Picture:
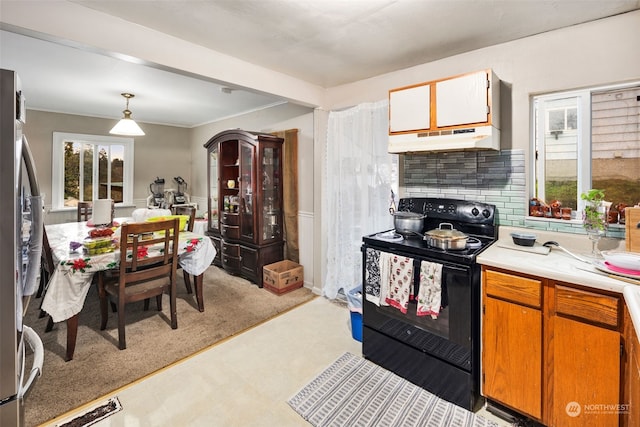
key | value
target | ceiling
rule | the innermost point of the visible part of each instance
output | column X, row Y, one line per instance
column 322, row 42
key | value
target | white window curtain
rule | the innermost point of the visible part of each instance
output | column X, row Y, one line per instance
column 360, row 175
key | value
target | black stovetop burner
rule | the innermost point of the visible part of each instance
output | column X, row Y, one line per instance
column 475, row 219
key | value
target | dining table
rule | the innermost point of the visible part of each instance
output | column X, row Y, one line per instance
column 75, row 269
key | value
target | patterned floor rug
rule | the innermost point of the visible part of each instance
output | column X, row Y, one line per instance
column 356, row 392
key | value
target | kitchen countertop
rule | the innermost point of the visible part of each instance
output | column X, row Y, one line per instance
column 558, row 265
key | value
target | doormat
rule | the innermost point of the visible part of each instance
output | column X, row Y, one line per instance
column 356, row 392
column 94, row 414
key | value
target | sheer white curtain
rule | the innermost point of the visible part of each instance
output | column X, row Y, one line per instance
column 360, row 174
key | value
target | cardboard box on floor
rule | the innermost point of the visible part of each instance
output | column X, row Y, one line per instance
column 282, row 276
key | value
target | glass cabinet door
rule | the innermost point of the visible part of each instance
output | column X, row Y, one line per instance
column 214, row 176
column 271, row 197
column 247, row 190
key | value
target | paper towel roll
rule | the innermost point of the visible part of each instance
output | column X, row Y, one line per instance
column 102, row 212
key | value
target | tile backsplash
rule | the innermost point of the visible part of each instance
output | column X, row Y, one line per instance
column 496, row 177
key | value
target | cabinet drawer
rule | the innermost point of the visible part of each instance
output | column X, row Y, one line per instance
column 230, row 232
column 513, row 288
column 232, row 250
column 230, row 218
column 231, row 264
column 590, row 306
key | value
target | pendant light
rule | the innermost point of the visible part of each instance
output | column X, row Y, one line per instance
column 126, row 125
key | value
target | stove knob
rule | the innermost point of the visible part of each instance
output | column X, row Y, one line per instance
column 486, row 213
column 475, row 211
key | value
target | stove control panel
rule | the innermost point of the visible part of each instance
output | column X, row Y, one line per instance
column 449, row 209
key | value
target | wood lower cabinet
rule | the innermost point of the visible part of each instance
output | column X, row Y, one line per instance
column 512, row 342
column 552, row 351
column 586, row 355
column 586, row 375
column 631, row 374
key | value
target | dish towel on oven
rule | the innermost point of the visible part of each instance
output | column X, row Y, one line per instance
column 372, row 276
column 377, row 276
column 430, row 292
column 400, row 283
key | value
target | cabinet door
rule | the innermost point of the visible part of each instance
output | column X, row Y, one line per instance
column 214, row 179
column 586, row 374
column 247, row 191
column 410, row 108
column 512, row 356
column 271, row 221
column 462, row 100
column 633, row 400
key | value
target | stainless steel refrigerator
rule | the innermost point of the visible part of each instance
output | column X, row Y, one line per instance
column 21, row 227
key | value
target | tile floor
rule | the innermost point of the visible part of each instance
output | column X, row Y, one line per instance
column 245, row 380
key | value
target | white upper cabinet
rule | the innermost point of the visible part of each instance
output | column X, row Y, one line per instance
column 463, row 100
column 411, row 108
column 456, row 102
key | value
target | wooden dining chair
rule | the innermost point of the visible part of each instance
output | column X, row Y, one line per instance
column 47, row 267
column 142, row 273
column 191, row 212
column 84, row 211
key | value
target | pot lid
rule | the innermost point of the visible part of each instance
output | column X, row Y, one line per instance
column 402, row 214
column 446, row 233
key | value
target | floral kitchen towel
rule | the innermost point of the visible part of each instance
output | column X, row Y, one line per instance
column 385, row 276
column 430, row 292
column 372, row 276
column 400, row 282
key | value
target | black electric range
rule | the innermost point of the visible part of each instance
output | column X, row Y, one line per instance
column 442, row 353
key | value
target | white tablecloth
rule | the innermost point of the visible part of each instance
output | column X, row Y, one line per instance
column 69, row 284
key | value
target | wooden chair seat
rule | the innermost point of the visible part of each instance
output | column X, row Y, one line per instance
column 141, row 278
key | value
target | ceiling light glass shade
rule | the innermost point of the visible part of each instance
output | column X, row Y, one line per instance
column 127, row 126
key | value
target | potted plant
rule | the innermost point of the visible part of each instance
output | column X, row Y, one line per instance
column 594, row 216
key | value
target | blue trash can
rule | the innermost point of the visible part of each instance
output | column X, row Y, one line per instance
column 354, row 300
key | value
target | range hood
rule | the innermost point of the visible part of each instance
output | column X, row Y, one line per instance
column 461, row 139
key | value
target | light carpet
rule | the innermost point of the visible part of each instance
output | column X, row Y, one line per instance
column 356, row 392
column 232, row 305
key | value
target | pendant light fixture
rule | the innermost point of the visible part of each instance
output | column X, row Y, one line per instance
column 126, row 125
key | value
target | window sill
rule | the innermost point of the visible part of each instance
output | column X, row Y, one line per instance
column 567, row 221
column 73, row 209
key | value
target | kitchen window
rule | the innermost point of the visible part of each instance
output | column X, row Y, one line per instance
column 89, row 167
column 587, row 139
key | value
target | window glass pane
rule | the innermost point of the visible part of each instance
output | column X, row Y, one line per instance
column 572, row 118
column 87, row 172
column 556, row 120
column 117, row 172
column 615, row 144
column 561, row 153
column 71, row 173
column 91, row 166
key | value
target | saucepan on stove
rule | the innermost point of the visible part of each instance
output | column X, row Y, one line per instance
column 446, row 237
column 408, row 222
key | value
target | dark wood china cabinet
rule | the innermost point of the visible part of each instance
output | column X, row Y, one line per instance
column 244, row 172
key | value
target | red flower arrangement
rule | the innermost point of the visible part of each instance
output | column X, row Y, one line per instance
column 191, row 245
column 80, row 264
